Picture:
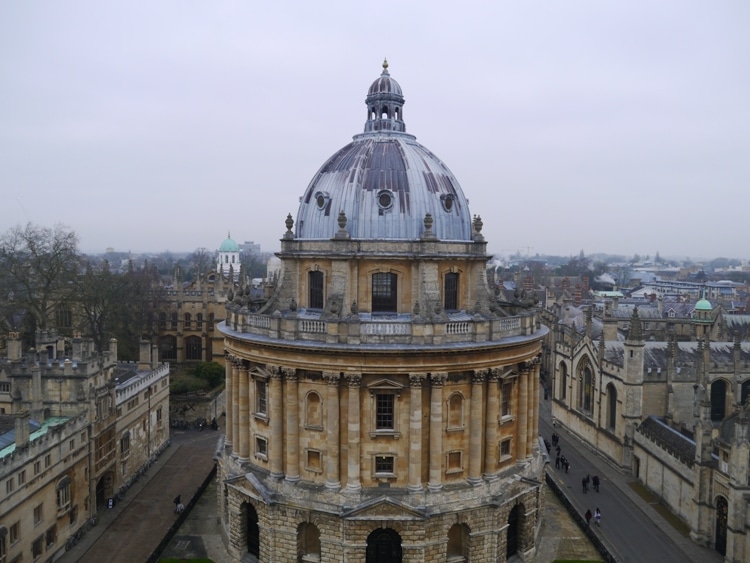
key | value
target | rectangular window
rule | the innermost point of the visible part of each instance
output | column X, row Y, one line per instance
column 315, row 279
column 4, row 387
column 21, row 477
column 506, row 404
column 47, row 461
column 261, row 447
column 261, row 397
column 63, row 496
column 3, row 550
column 384, row 411
column 37, row 467
column 15, row 533
column 384, row 464
column 451, row 292
column 51, row 536
column 9, row 486
column 72, row 445
column 505, row 448
column 37, row 548
column 314, row 461
column 38, row 514
column 384, row 293
column 455, row 463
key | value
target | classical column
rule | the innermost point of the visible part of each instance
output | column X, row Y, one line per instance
column 353, row 485
column 493, row 409
column 415, row 432
column 277, row 427
column 437, row 380
column 332, row 405
column 235, row 405
column 523, row 413
column 243, row 437
column 292, row 424
column 475, row 427
column 535, row 403
column 228, row 361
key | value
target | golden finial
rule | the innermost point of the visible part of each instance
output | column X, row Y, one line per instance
column 385, row 65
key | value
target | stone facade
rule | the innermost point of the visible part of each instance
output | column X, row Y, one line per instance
column 84, row 426
column 657, row 408
column 383, row 404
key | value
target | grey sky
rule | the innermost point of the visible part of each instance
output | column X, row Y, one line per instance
column 607, row 126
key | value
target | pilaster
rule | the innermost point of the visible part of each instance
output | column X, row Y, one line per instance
column 416, row 381
column 523, row 413
column 292, row 424
column 276, row 425
column 475, row 427
column 493, row 409
column 332, row 459
column 243, row 438
column 437, row 381
column 353, row 484
column 228, row 361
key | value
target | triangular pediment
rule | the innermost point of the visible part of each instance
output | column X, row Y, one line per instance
column 249, row 485
column 385, row 385
column 384, row 508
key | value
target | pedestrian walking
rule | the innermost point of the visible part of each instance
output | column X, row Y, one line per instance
column 597, row 516
column 595, row 481
column 584, row 485
column 588, row 480
column 558, row 450
column 557, row 462
column 588, row 516
column 567, row 465
column 177, row 503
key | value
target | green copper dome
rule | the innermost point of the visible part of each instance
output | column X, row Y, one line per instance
column 703, row 305
column 229, row 245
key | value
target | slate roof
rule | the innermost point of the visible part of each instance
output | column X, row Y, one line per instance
column 669, row 439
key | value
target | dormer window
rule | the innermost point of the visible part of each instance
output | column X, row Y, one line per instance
column 447, row 200
column 385, row 199
column 321, row 200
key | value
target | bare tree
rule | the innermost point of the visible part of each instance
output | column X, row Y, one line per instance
column 37, row 267
column 202, row 261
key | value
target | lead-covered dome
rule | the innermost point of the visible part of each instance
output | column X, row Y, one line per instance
column 384, row 182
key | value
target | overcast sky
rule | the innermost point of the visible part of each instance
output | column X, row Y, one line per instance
column 606, row 126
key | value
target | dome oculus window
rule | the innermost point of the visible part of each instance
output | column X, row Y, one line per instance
column 321, row 200
column 385, row 199
column 447, row 201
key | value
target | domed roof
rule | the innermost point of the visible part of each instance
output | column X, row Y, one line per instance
column 385, row 84
column 384, row 182
column 703, row 305
column 229, row 245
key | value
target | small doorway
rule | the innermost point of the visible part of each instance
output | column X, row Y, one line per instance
column 512, row 534
column 384, row 546
column 253, row 531
column 722, row 510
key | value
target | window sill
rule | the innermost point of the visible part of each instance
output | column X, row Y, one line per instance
column 386, row 433
column 260, row 416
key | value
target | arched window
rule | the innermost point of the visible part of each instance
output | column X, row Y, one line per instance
column 458, row 543
column 611, row 407
column 455, row 411
column 718, row 399
column 315, row 281
column 174, row 321
column 745, row 392
column 384, row 292
column 384, row 546
column 193, row 348
column 63, row 493
column 722, row 515
column 588, row 389
column 253, row 531
column 563, row 381
column 511, row 543
column 199, row 321
column 188, row 321
column 451, row 291
column 308, row 542
column 168, row 348
column 313, row 411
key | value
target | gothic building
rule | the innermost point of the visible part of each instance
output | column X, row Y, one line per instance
column 383, row 404
column 662, row 410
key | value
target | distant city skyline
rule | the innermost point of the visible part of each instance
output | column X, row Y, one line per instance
column 623, row 127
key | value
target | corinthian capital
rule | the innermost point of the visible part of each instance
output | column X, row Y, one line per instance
column 353, row 379
column 416, row 379
column 438, row 379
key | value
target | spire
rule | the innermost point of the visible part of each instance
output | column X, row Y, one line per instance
column 635, row 332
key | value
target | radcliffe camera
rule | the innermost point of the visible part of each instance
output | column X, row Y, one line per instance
column 269, row 296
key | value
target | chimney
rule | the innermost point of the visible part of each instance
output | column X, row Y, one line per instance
column 144, row 359
column 22, row 430
column 14, row 347
column 113, row 349
column 154, row 356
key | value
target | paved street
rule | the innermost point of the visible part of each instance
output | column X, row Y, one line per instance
column 133, row 529
column 631, row 526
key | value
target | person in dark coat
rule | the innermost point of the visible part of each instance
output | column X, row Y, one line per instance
column 584, row 485
column 557, row 462
column 588, row 516
column 595, row 481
